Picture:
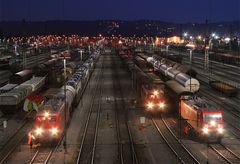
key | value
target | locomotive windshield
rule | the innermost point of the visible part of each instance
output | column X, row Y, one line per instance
column 210, row 117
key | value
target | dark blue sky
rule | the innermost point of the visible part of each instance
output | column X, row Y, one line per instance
column 165, row 10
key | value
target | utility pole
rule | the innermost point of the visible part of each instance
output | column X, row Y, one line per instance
column 65, row 105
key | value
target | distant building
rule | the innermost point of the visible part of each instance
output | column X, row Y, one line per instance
column 174, row 39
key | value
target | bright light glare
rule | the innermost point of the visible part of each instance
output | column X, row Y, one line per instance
column 150, row 105
column 155, row 93
column 46, row 114
column 212, row 123
column 38, row 131
column 205, row 130
column 54, row 131
column 161, row 105
column 227, row 39
column 220, row 130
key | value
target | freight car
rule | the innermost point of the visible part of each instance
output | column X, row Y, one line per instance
column 4, row 62
column 141, row 62
column 168, row 71
column 14, row 99
column 157, row 61
column 233, row 59
column 202, row 118
column 7, row 88
column 50, row 121
column 21, row 76
column 173, row 57
column 226, row 89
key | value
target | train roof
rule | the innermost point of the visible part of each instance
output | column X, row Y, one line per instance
column 53, row 105
column 54, row 93
column 177, row 88
column 154, row 78
column 202, row 104
column 21, row 76
column 7, row 87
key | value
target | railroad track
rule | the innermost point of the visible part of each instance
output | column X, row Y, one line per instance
column 14, row 141
column 121, row 116
column 225, row 153
column 233, row 112
column 231, row 108
column 41, row 156
column 173, row 142
column 88, row 143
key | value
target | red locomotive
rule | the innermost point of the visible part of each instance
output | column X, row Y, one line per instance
column 205, row 119
column 201, row 117
column 50, row 120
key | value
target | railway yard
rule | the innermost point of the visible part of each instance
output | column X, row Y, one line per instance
column 71, row 99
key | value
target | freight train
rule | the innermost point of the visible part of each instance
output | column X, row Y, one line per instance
column 51, row 120
column 177, row 92
column 202, row 118
column 158, row 61
column 175, row 73
column 23, row 84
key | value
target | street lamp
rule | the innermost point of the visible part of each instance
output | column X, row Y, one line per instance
column 185, row 34
column 191, row 48
column 81, row 53
column 167, row 48
column 213, row 34
column 206, row 63
column 65, row 106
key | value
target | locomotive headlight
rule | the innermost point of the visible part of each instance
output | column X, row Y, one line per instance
column 46, row 114
column 54, row 131
column 38, row 131
column 205, row 130
column 155, row 92
column 150, row 105
column 161, row 105
column 212, row 123
column 220, row 130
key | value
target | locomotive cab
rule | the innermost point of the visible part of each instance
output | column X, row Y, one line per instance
column 154, row 98
column 212, row 124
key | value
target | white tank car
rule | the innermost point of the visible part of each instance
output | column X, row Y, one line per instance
column 150, row 60
column 164, row 69
column 191, row 84
column 70, row 94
